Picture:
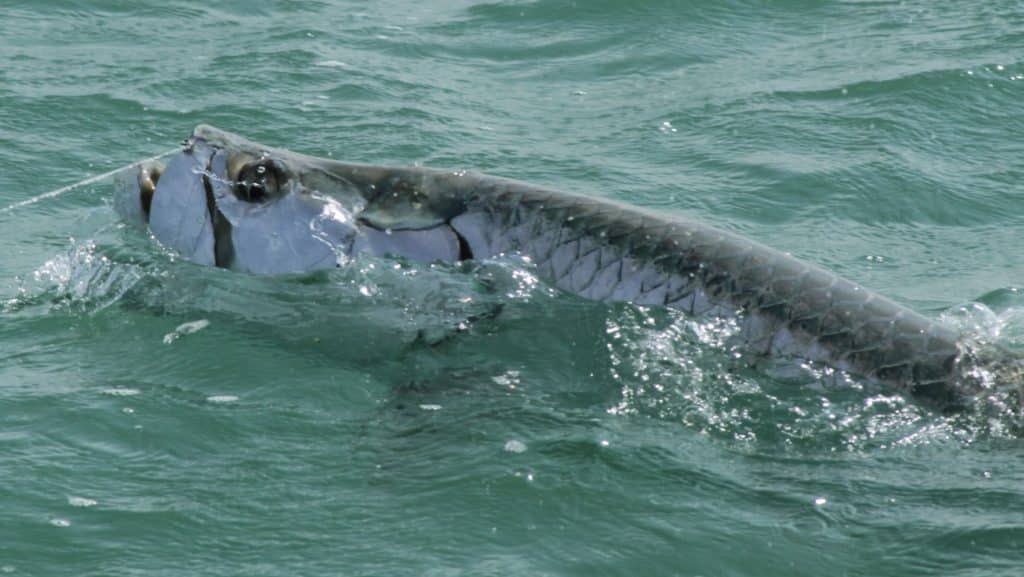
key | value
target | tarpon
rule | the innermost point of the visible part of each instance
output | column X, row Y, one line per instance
column 232, row 203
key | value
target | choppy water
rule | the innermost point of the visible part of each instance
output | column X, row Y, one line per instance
column 160, row 418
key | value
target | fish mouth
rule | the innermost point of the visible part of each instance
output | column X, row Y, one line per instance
column 134, row 189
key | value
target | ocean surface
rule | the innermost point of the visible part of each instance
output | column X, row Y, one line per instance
column 161, row 418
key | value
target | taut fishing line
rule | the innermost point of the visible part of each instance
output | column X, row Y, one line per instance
column 90, row 180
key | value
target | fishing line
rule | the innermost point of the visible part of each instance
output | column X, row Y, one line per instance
column 90, row 180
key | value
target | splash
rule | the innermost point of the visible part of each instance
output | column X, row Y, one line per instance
column 672, row 368
column 81, row 278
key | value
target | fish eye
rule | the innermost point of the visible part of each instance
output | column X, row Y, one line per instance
column 259, row 181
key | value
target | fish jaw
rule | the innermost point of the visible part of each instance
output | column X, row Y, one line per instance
column 179, row 212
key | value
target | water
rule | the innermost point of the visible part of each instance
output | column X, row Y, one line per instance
column 160, row 418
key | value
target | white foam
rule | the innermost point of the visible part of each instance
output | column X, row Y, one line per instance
column 332, row 64
column 81, row 502
column 121, row 392
column 185, row 329
column 515, row 446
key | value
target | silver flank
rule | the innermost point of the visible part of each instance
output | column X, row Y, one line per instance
column 257, row 209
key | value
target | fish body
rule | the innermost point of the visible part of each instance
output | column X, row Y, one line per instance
column 233, row 203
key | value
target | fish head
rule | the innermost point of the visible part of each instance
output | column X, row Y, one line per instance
column 226, row 201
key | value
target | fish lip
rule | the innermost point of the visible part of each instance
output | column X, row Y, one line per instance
column 134, row 189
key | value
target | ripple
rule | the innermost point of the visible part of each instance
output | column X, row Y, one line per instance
column 831, row 130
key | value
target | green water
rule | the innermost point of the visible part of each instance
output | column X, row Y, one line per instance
column 344, row 425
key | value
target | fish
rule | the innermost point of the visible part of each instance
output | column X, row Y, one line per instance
column 229, row 202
